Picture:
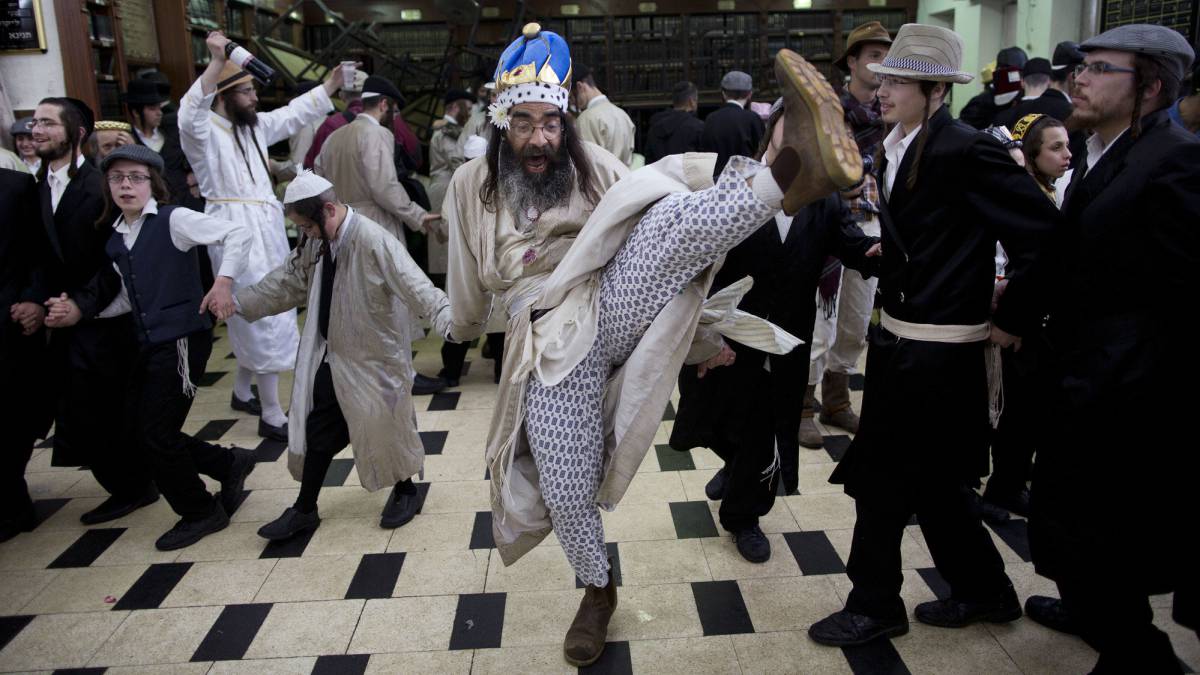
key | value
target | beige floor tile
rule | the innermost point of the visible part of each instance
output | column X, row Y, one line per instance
column 434, row 532
column 443, row 572
column 645, row 563
column 790, row 653
column 86, row 486
column 157, row 636
column 650, row 461
column 33, row 550
column 59, row 641
column 1010, row 556
column 349, row 535
column 545, row 568
column 292, row 666
column 927, row 649
column 224, row 582
column 18, row 587
column 351, row 501
column 687, row 656
column 814, row 478
column 85, row 589
column 53, row 485
column 443, row 663
column 645, row 522
column 467, row 496
column 239, row 541
column 67, row 518
column 263, row 506
column 542, row 617
column 789, row 603
column 186, row 668
column 306, row 629
column 694, row 482
column 833, row 511
column 725, row 562
column 309, row 578
column 453, row 467
column 654, row 488
column 274, row 475
column 136, row 547
column 1037, row 650
column 1187, row 647
column 651, row 612
column 542, row 659
column 704, row 458
column 414, row 624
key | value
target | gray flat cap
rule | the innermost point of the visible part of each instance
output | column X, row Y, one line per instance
column 1165, row 45
column 134, row 153
column 736, row 80
column 24, row 126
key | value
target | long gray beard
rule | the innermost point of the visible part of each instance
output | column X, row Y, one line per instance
column 521, row 190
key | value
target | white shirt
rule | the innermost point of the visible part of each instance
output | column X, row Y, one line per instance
column 894, row 147
column 58, row 181
column 370, row 117
column 188, row 229
column 1096, row 149
column 154, row 141
column 336, row 242
column 784, row 222
column 597, row 101
column 34, row 166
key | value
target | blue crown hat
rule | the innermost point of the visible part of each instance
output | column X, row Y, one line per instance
column 536, row 68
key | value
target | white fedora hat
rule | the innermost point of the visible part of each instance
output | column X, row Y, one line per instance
column 922, row 52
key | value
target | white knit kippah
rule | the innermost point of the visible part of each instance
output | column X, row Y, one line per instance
column 306, row 184
column 476, row 146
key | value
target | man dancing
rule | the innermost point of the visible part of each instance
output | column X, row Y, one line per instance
column 602, row 317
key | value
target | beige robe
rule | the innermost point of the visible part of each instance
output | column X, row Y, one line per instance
column 637, row 392
column 606, row 125
column 359, row 159
column 376, row 287
column 445, row 156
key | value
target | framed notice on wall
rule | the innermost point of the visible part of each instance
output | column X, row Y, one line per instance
column 21, row 26
column 137, row 30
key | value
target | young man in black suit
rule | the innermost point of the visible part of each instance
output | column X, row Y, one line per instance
column 92, row 359
column 732, row 129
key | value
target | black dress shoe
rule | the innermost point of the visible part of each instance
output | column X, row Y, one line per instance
column 846, row 629
column 951, row 613
column 450, row 381
column 715, row 489
column 253, row 406
column 992, row 513
column 116, row 507
column 274, row 433
column 1012, row 501
column 22, row 521
column 401, row 506
column 753, row 544
column 1051, row 613
column 235, row 484
column 290, row 524
column 423, row 385
column 187, row 532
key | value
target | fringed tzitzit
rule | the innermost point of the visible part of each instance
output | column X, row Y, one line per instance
column 995, row 384
column 181, row 354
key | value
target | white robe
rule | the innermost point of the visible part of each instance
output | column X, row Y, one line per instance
column 239, row 189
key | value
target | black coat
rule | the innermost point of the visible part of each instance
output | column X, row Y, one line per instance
column 672, row 132
column 1122, row 381
column 786, row 274
column 938, row 267
column 23, row 251
column 981, row 110
column 729, row 131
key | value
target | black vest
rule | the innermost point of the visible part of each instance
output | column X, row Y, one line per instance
column 163, row 282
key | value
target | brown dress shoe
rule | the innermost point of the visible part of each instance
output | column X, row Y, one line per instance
column 589, row 631
column 810, row 437
column 815, row 128
column 835, row 402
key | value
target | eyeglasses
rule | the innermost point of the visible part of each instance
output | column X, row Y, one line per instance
column 43, row 122
column 1099, row 68
column 134, row 178
column 523, row 129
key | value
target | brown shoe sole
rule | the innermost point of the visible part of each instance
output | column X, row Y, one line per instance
column 839, row 153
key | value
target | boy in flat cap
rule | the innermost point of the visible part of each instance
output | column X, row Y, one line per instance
column 733, row 129
column 1122, row 372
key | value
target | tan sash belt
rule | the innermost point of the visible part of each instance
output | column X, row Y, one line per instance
column 958, row 334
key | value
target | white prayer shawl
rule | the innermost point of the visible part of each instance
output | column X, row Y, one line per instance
column 239, row 189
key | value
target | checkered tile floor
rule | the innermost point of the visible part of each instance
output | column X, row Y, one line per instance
column 433, row 596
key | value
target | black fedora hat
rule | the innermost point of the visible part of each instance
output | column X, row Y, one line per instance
column 143, row 92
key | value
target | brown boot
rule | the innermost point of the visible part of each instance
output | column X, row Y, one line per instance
column 835, row 402
column 815, row 128
column 810, row 437
column 585, row 639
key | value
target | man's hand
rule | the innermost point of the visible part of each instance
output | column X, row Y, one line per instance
column 336, row 79
column 29, row 314
column 216, row 42
column 63, row 312
column 433, row 226
column 1005, row 340
column 876, row 250
column 125, row 138
column 725, row 358
column 852, row 193
column 219, row 300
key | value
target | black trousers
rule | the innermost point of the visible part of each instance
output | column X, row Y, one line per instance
column 962, row 550
column 789, row 378
column 326, row 434
column 158, row 408
column 25, row 414
column 1117, row 621
column 454, row 355
column 16, row 447
column 1014, row 442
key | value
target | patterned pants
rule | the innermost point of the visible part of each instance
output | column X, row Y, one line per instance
column 678, row 238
